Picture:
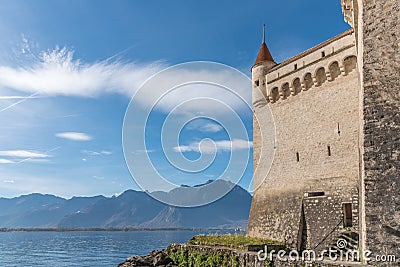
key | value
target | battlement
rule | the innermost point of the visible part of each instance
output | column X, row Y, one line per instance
column 348, row 11
column 322, row 63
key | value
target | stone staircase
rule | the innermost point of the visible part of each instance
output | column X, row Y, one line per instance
column 344, row 247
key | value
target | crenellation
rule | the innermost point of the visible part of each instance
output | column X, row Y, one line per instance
column 331, row 47
column 348, row 11
column 280, row 87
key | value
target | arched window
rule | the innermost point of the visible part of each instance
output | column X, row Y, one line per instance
column 350, row 63
column 308, row 82
column 297, row 86
column 286, row 91
column 321, row 76
column 334, row 69
column 274, row 94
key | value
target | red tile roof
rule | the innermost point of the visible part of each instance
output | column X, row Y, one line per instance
column 263, row 55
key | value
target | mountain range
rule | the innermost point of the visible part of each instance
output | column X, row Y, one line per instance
column 130, row 209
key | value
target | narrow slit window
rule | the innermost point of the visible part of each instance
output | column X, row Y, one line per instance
column 338, row 129
column 295, row 66
column 329, row 151
column 297, row 156
column 323, row 53
column 348, row 215
column 316, row 194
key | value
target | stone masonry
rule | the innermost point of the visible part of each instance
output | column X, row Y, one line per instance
column 379, row 39
column 330, row 116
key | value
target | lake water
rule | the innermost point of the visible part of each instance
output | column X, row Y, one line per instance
column 59, row 249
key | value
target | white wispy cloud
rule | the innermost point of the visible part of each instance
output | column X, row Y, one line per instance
column 206, row 127
column 35, row 160
column 69, row 116
column 56, row 72
column 8, row 181
column 209, row 146
column 211, row 127
column 143, row 151
column 74, row 136
column 96, row 153
column 17, row 97
column 23, row 154
column 199, row 89
column 6, row 161
column 20, row 100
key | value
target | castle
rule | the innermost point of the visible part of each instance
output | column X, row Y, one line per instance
column 333, row 113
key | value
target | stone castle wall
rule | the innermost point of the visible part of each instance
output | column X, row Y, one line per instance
column 315, row 170
column 379, row 45
column 301, row 197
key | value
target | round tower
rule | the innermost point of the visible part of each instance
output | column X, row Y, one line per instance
column 264, row 62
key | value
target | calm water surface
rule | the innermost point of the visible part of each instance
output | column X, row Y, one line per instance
column 55, row 249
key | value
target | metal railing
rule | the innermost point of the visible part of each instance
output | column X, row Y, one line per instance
column 329, row 234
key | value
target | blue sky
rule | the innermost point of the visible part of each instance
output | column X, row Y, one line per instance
column 68, row 70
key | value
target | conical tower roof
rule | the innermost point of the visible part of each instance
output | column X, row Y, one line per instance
column 263, row 54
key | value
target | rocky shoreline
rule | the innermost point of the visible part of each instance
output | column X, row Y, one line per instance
column 195, row 255
column 155, row 258
column 207, row 250
column 219, row 256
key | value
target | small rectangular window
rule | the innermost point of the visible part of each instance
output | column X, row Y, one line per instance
column 323, row 53
column 348, row 215
column 257, row 83
column 316, row 194
column 329, row 151
column 297, row 156
column 295, row 66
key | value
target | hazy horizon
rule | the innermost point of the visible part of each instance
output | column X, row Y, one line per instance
column 68, row 71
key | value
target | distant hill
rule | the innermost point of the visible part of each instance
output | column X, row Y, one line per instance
column 130, row 209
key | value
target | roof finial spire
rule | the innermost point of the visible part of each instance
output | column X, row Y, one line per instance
column 263, row 54
column 263, row 36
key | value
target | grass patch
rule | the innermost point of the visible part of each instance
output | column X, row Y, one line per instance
column 184, row 258
column 231, row 240
column 217, row 256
